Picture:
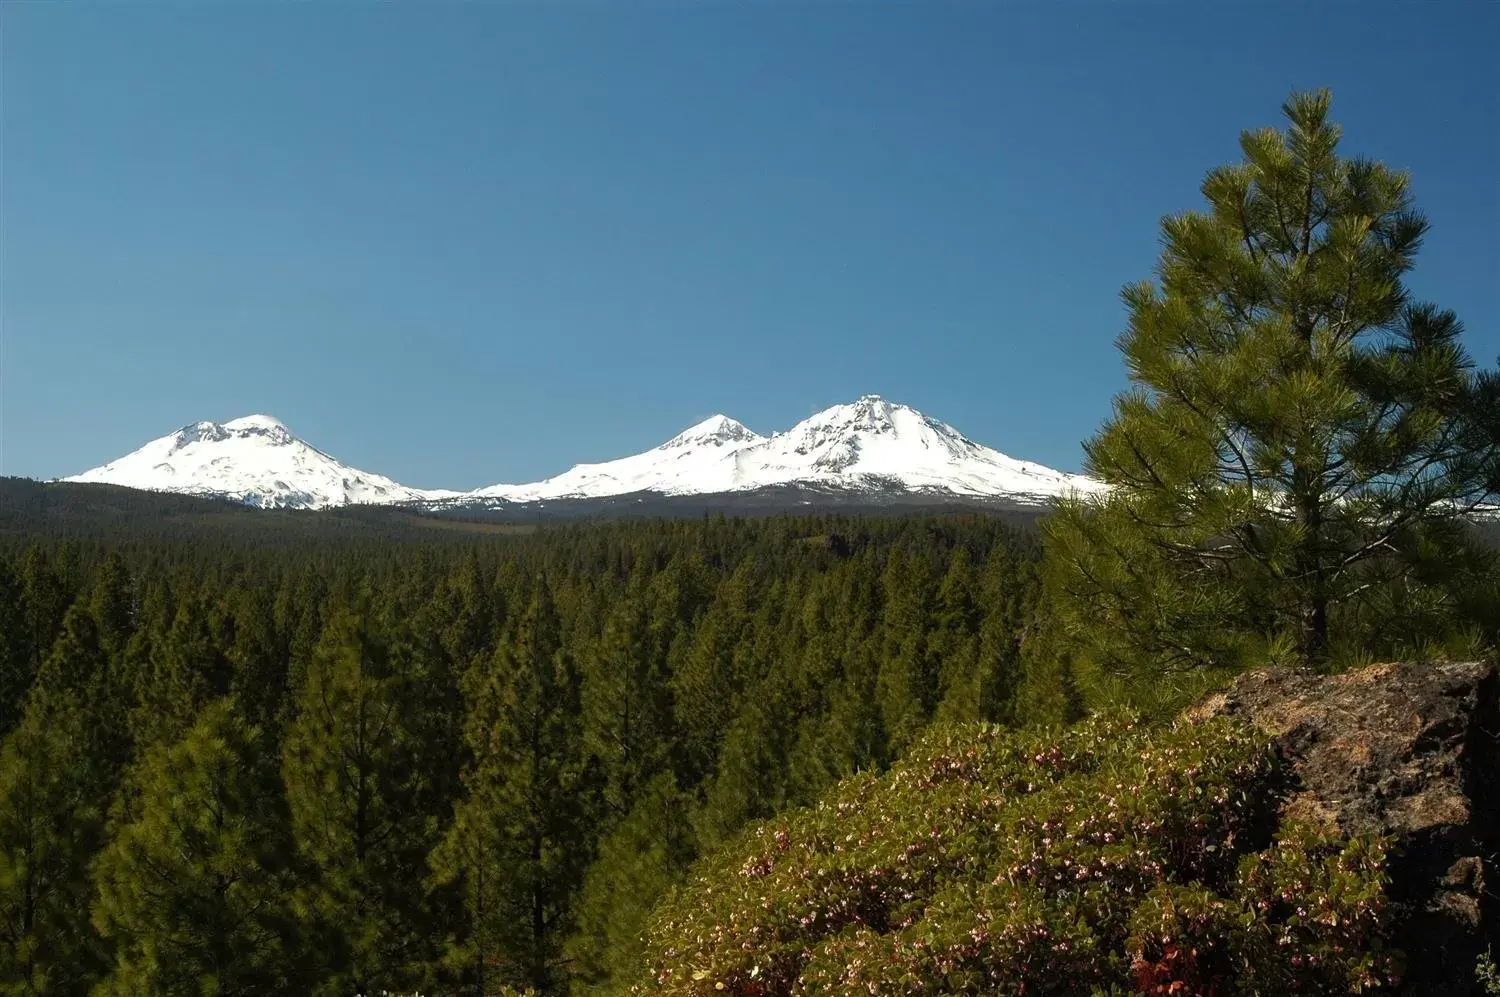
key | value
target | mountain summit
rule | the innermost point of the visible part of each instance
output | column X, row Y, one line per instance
column 255, row 460
column 874, row 443
column 867, row 447
column 717, row 431
column 870, row 445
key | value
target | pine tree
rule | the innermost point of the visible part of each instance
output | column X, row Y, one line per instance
column 17, row 662
column 518, row 843
column 157, row 613
column 1009, row 589
column 815, row 667
column 192, row 890
column 953, row 645
column 707, row 689
column 465, row 613
column 300, row 614
column 43, row 602
column 908, row 684
column 627, row 706
column 355, row 777
column 184, row 672
column 52, row 810
column 112, row 602
column 79, row 675
column 58, row 770
column 855, row 736
column 639, row 861
column 1301, row 440
column 438, row 667
column 258, row 659
column 753, row 778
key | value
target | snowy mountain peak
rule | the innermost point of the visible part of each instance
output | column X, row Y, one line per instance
column 272, row 429
column 255, row 460
column 876, row 436
column 267, row 424
column 874, row 414
column 199, row 432
column 869, row 445
column 715, row 431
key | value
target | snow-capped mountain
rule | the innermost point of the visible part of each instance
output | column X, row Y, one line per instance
column 870, row 446
column 255, row 460
column 689, row 463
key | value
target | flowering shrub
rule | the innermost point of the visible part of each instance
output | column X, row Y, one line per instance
column 1320, row 914
column 1180, row 941
column 1488, row 975
column 504, row 991
column 1107, row 858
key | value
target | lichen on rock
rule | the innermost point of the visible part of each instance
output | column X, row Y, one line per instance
column 1407, row 751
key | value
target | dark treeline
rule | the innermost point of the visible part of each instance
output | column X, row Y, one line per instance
column 361, row 766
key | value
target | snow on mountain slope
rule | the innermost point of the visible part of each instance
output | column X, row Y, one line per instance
column 874, row 443
column 689, row 463
column 255, row 460
column 868, row 445
column 871, row 446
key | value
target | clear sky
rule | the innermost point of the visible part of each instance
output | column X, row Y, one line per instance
column 461, row 243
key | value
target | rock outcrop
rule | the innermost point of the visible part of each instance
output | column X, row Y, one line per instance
column 1408, row 751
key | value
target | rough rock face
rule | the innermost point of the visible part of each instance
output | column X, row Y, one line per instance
column 1409, row 751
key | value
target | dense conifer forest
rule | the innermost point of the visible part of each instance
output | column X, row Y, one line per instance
column 385, row 763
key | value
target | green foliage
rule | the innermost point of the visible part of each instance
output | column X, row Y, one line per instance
column 1292, row 464
column 357, row 775
column 686, row 678
column 178, row 673
column 1488, row 974
column 627, row 707
column 518, row 842
column 58, row 770
column 17, row 665
column 1320, row 915
column 52, row 808
column 192, row 890
column 643, row 857
column 1059, row 862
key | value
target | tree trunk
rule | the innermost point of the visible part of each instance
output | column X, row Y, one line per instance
column 538, row 922
column 1311, row 575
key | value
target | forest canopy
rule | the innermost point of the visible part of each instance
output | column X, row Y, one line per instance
column 392, row 763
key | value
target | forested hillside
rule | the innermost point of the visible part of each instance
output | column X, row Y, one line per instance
column 390, row 764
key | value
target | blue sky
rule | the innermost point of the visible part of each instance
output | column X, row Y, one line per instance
column 460, row 243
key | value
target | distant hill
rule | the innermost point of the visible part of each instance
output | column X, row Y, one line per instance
column 33, row 509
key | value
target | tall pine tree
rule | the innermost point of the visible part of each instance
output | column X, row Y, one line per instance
column 356, row 773
column 192, row 891
column 519, row 841
column 58, row 770
column 1301, row 440
column 627, row 705
column 17, row 662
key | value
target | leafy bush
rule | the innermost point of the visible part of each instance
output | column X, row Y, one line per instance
column 1488, row 975
column 1107, row 858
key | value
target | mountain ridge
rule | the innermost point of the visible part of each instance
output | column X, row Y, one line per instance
column 870, row 446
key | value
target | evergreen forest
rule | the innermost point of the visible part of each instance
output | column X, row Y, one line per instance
column 387, row 763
